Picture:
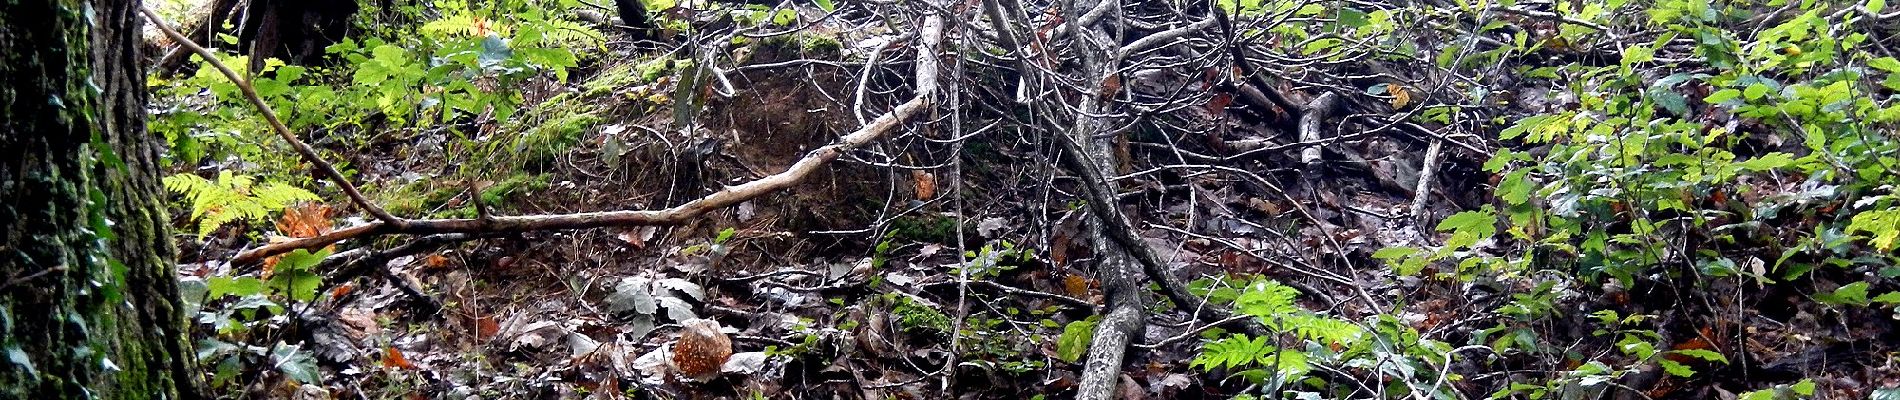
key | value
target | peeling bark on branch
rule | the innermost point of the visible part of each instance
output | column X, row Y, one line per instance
column 1313, row 119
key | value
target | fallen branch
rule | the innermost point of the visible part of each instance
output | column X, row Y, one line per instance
column 1018, row 292
column 354, row 263
column 680, row 214
column 1426, row 171
column 1312, row 120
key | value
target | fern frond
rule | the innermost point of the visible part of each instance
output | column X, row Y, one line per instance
column 566, row 33
column 463, row 24
column 233, row 198
column 1322, row 329
column 1266, row 299
column 278, row 195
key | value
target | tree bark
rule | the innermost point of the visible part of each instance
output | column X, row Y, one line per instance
column 296, row 31
column 88, row 297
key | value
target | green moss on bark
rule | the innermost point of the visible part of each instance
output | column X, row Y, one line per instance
column 89, row 305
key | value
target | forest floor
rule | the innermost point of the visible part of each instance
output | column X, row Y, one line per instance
column 916, row 269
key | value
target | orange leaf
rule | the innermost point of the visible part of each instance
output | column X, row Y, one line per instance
column 394, row 358
column 1400, row 98
column 305, row 220
column 926, row 183
column 435, row 261
column 341, row 290
column 1076, row 285
column 486, row 327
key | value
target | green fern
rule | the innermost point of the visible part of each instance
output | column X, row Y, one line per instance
column 1267, row 299
column 460, row 23
column 561, row 33
column 1241, row 351
column 1257, row 357
column 1321, row 329
column 233, row 198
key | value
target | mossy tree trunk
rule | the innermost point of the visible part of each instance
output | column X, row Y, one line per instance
column 88, row 300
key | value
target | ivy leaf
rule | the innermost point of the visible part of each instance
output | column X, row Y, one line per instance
column 1672, row 101
column 1756, row 91
column 1514, row 188
column 1883, row 227
column 296, row 365
column 1888, row 64
column 1889, row 298
column 300, row 285
column 1393, row 254
column 1354, row 18
column 1722, row 96
column 1805, row 387
column 220, row 286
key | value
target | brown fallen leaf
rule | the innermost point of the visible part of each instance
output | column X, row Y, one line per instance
column 1400, row 98
column 1110, row 86
column 486, row 327
column 1217, row 106
column 926, row 184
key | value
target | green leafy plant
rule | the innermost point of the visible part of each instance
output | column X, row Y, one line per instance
column 1075, row 339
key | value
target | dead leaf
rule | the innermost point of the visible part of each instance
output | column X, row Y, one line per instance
column 1077, row 285
column 746, row 363
column 435, row 261
column 1110, row 86
column 926, row 184
column 1400, row 98
column 637, row 237
column 990, row 227
column 358, row 322
column 1217, row 106
column 393, row 357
